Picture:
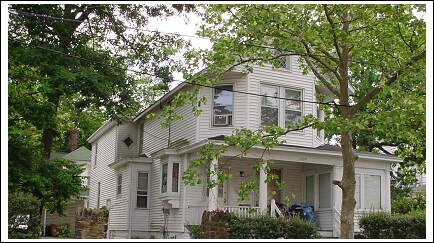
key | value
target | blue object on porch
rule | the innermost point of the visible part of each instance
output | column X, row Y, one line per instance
column 306, row 211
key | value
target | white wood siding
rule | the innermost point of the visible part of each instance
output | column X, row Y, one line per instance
column 101, row 172
column 156, row 138
column 156, row 204
column 118, row 217
column 127, row 129
column 282, row 78
column 206, row 130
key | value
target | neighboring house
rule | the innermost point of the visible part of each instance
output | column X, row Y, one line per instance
column 81, row 156
column 137, row 166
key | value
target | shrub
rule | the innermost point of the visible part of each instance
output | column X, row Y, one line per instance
column 23, row 216
column 194, row 231
column 382, row 225
column 405, row 205
column 271, row 228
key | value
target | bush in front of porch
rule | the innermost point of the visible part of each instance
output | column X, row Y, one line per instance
column 267, row 227
column 383, row 225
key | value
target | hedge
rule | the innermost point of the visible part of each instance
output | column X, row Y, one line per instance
column 382, row 225
column 271, row 228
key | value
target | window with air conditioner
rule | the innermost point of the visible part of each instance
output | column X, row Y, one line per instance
column 223, row 106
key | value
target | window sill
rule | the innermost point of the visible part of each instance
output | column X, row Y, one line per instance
column 136, row 208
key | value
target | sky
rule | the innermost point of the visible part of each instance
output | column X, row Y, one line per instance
column 177, row 24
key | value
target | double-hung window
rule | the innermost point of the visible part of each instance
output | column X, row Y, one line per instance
column 269, row 105
column 142, row 190
column 293, row 107
column 223, row 105
column 280, row 112
column 368, row 193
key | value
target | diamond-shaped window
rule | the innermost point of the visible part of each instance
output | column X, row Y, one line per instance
column 128, row 141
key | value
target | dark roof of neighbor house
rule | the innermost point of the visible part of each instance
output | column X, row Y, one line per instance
column 327, row 147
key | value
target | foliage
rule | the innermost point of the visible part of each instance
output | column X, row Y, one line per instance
column 67, row 70
column 193, row 230
column 23, row 211
column 405, row 205
column 271, row 228
column 65, row 233
column 377, row 49
column 54, row 182
column 382, row 225
column 69, row 59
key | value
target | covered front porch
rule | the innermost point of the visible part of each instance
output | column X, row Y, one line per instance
column 308, row 183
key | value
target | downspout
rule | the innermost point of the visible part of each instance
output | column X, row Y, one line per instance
column 129, row 198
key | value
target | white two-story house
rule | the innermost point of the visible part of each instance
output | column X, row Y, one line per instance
column 137, row 166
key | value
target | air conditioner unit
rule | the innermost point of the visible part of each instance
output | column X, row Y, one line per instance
column 222, row 120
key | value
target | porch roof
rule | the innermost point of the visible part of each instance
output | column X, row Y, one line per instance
column 327, row 147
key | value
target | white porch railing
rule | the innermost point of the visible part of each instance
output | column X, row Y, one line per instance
column 275, row 209
column 244, row 211
column 336, row 223
column 195, row 212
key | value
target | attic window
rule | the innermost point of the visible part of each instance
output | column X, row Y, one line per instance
column 128, row 141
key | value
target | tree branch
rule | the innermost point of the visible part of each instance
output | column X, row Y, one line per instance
column 330, row 20
column 325, row 82
column 322, row 62
column 390, row 81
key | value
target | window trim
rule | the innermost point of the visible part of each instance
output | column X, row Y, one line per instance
column 169, row 177
column 212, row 106
column 147, row 189
column 281, row 103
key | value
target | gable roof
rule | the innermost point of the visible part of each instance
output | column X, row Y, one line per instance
column 80, row 154
column 101, row 130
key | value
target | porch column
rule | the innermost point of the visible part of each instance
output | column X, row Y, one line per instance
column 263, row 188
column 213, row 192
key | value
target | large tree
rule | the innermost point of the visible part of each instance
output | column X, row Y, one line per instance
column 379, row 49
column 77, row 54
column 68, row 69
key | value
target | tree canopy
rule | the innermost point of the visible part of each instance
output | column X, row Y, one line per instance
column 378, row 49
column 70, row 67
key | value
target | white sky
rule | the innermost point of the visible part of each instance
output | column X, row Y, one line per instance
column 176, row 24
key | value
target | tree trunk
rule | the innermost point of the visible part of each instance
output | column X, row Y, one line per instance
column 48, row 133
column 348, row 186
column 47, row 141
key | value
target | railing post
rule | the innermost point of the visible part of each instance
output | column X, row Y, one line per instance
column 273, row 208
